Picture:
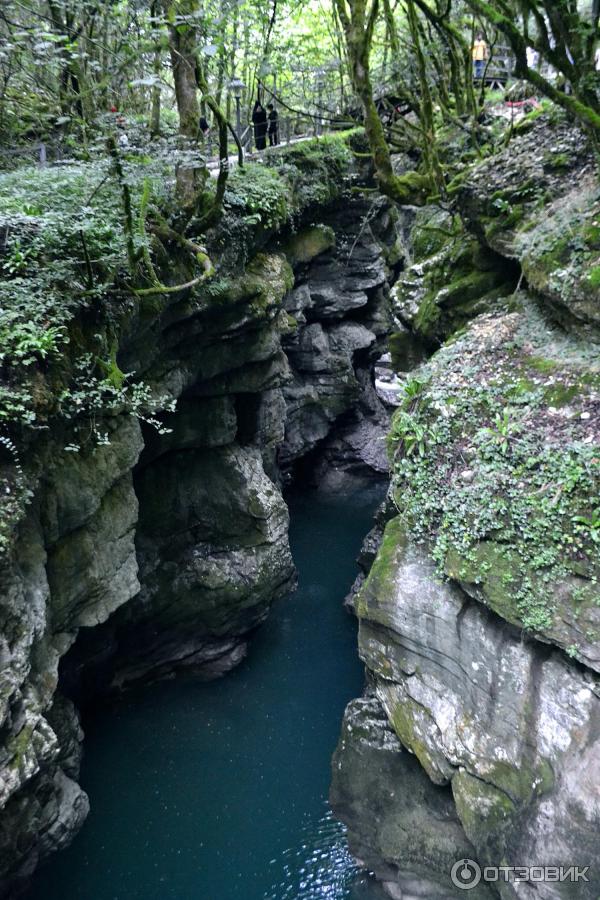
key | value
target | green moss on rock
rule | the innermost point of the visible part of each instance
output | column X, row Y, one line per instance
column 486, row 813
column 503, row 479
column 405, row 720
column 308, row 243
column 452, row 280
column 380, row 582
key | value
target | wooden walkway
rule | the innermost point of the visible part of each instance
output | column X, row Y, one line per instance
column 213, row 163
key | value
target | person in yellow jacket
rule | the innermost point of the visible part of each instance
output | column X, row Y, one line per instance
column 480, row 54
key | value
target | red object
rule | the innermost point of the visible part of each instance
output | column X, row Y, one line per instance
column 113, row 109
column 518, row 103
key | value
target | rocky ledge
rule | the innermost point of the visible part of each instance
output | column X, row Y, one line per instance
column 480, row 614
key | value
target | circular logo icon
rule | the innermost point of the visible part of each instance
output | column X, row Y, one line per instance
column 465, row 874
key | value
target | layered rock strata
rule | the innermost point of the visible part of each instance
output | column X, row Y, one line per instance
column 480, row 615
column 162, row 549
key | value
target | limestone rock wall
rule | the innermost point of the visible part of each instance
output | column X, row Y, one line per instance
column 340, row 307
column 163, row 549
column 401, row 826
column 510, row 727
column 480, row 612
column 73, row 564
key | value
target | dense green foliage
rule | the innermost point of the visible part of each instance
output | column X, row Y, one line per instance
column 64, row 248
column 67, row 290
column 290, row 180
column 65, row 245
column 64, row 66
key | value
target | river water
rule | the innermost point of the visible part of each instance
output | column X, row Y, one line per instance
column 218, row 791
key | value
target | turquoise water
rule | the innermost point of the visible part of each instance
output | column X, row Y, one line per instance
column 218, row 791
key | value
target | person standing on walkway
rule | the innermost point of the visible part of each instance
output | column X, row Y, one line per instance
column 480, row 54
column 273, row 125
column 204, row 127
column 259, row 122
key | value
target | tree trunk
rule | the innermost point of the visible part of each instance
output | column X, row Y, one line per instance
column 155, row 108
column 427, row 115
column 182, row 42
column 156, row 70
column 70, row 78
column 233, row 55
column 358, row 27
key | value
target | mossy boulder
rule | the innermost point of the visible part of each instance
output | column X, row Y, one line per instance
column 308, row 243
column 561, row 257
column 507, row 723
column 452, row 280
column 430, row 232
column 538, row 202
column 503, row 481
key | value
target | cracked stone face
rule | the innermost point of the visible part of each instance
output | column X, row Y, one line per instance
column 510, row 725
column 162, row 551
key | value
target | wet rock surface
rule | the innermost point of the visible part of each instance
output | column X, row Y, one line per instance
column 341, row 316
column 162, row 550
